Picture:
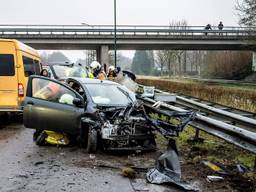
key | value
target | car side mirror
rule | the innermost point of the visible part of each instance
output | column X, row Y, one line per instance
column 77, row 102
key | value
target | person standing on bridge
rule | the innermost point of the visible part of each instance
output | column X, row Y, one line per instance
column 220, row 26
column 208, row 27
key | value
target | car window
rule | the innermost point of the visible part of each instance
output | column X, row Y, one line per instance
column 51, row 91
column 7, row 65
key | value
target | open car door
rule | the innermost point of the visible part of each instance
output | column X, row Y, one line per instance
column 51, row 105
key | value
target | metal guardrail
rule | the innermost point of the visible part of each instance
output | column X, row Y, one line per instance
column 148, row 30
column 219, row 122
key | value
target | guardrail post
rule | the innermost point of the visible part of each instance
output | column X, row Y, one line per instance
column 196, row 138
column 254, row 163
column 254, row 61
column 197, row 135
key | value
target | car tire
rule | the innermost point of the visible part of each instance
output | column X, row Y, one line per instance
column 82, row 139
column 40, row 140
column 92, row 141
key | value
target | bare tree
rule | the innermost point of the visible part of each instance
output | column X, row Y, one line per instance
column 161, row 60
column 247, row 12
column 174, row 60
column 228, row 64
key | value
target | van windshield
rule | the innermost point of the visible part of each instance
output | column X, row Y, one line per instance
column 7, row 65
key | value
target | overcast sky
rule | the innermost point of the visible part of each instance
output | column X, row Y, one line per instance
column 155, row 12
column 130, row 12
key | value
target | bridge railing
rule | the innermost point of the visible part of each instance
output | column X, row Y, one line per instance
column 147, row 30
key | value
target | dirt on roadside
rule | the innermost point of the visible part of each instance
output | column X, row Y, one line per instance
column 193, row 167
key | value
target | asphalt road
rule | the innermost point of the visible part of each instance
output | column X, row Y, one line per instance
column 27, row 167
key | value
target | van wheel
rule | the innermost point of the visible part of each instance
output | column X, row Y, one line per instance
column 92, row 141
column 40, row 140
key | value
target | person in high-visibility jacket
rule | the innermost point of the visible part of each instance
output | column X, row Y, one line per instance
column 96, row 70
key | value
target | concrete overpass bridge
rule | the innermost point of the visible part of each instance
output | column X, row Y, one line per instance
column 101, row 37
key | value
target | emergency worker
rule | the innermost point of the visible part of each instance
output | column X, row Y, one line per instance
column 111, row 73
column 90, row 75
column 102, row 75
column 96, row 70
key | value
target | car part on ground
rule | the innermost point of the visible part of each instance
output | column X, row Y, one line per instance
column 42, row 138
column 168, row 169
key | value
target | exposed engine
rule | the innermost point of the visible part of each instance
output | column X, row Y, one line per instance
column 127, row 129
column 133, row 127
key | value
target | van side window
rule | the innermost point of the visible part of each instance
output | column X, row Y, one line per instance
column 31, row 67
column 37, row 67
column 7, row 67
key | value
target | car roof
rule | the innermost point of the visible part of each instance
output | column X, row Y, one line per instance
column 61, row 63
column 92, row 81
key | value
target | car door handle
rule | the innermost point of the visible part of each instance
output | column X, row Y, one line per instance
column 30, row 103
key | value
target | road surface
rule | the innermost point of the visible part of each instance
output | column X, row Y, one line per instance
column 27, row 167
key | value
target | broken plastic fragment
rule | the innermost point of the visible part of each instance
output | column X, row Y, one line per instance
column 168, row 169
column 241, row 168
column 215, row 168
column 214, row 178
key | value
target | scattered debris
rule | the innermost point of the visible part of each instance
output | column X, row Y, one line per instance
column 216, row 168
column 213, row 178
column 241, row 168
column 140, row 185
column 128, row 172
column 38, row 163
column 92, row 156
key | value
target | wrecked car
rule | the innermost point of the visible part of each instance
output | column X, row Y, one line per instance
column 97, row 114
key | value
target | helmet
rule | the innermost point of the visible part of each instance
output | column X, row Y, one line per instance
column 95, row 68
column 67, row 99
column 95, row 65
column 111, row 68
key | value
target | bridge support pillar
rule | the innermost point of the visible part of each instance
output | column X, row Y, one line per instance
column 254, row 61
column 102, row 55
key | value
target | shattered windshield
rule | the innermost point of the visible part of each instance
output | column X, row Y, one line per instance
column 105, row 94
column 65, row 71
